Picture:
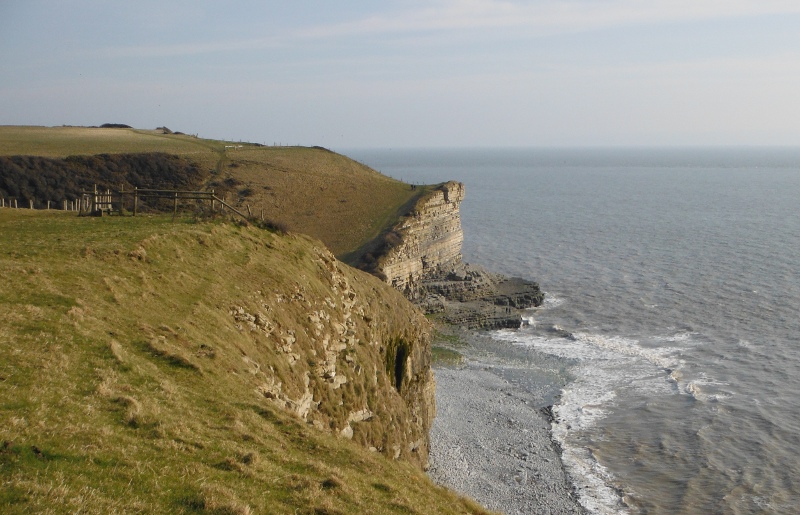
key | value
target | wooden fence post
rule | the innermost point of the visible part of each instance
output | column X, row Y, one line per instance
column 30, row 202
column 135, row 200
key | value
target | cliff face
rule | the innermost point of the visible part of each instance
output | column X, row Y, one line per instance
column 427, row 242
column 236, row 318
column 343, row 352
column 422, row 259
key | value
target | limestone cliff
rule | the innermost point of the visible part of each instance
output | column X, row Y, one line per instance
column 421, row 257
column 427, row 242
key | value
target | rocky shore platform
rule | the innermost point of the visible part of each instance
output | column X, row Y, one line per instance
column 491, row 437
column 472, row 297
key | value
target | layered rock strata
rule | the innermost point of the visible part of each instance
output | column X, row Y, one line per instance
column 426, row 243
column 423, row 260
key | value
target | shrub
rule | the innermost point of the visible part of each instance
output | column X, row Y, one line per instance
column 43, row 179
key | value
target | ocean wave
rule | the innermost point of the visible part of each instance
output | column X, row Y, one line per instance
column 592, row 481
column 685, row 337
column 698, row 388
column 529, row 321
column 552, row 301
column 663, row 357
column 607, row 367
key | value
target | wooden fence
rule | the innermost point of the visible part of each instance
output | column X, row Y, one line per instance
column 98, row 203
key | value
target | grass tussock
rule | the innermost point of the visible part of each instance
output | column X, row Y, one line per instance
column 124, row 385
column 445, row 356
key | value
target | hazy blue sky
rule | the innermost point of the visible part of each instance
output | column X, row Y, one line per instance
column 411, row 73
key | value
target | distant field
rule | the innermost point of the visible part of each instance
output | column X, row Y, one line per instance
column 66, row 141
column 310, row 190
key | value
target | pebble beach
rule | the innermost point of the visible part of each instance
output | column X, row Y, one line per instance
column 491, row 439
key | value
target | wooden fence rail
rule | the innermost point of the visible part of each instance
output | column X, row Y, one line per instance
column 13, row 203
column 98, row 203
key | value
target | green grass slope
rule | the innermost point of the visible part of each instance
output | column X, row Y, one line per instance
column 127, row 384
column 71, row 141
column 310, row 190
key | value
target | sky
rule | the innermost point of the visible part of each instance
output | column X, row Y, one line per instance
column 394, row 74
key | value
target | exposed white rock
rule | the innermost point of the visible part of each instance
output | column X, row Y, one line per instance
column 430, row 239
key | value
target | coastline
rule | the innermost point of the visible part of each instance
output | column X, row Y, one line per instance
column 491, row 439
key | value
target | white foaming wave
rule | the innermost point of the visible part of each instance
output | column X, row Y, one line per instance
column 648, row 306
column 697, row 388
column 580, row 406
column 551, row 301
column 581, row 403
column 606, row 363
column 681, row 337
column 592, row 481
column 662, row 357
column 607, row 366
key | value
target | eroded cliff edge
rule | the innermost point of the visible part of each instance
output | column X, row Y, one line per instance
column 421, row 257
column 339, row 350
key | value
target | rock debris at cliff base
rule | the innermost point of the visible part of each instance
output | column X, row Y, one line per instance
column 472, row 297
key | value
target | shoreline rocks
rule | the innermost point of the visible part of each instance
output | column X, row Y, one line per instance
column 472, row 297
column 421, row 257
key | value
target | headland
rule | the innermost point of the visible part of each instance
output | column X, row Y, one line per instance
column 247, row 356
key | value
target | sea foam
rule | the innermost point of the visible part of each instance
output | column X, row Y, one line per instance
column 605, row 367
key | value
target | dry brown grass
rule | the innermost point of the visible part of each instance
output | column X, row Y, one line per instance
column 317, row 192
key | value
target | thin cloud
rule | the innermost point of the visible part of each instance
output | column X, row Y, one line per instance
column 539, row 17
column 549, row 16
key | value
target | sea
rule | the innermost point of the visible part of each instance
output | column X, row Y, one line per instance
column 672, row 281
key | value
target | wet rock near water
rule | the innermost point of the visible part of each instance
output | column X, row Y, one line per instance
column 470, row 296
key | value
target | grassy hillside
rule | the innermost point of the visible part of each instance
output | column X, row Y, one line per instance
column 69, row 141
column 318, row 192
column 128, row 384
column 310, row 190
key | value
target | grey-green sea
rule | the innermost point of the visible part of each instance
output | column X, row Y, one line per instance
column 672, row 280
